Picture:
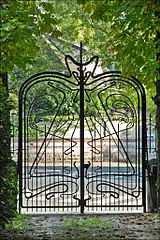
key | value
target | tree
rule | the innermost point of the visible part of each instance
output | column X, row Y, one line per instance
column 22, row 22
column 127, row 34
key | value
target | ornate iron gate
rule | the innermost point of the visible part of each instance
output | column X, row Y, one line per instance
column 82, row 141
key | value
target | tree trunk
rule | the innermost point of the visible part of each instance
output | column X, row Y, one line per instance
column 8, row 176
column 4, row 124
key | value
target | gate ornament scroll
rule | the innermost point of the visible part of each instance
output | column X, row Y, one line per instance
column 53, row 107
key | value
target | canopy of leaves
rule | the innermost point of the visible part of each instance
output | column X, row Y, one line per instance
column 22, row 24
column 121, row 32
column 128, row 29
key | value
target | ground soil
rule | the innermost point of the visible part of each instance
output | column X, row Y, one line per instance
column 124, row 226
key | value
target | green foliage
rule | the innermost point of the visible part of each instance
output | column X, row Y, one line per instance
column 44, row 60
column 17, row 223
column 111, row 29
column 123, row 40
column 8, row 195
column 5, row 106
column 88, row 228
column 128, row 30
column 84, row 224
column 8, row 173
column 22, row 23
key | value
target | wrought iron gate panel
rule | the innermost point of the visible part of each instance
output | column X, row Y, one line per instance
column 82, row 140
column 115, row 173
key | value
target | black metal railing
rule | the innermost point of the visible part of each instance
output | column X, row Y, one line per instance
column 117, row 202
column 151, row 136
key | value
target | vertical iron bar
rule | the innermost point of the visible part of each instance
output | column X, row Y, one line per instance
column 127, row 163
column 126, row 182
column 58, row 193
column 114, row 183
column 88, row 189
column 71, row 163
column 123, row 199
column 36, row 170
column 110, row 165
column 45, row 163
column 150, row 127
column 101, row 146
column 53, row 166
column 49, row 206
column 144, row 147
column 118, row 165
column 20, row 152
column 81, row 131
column 92, row 157
column 40, row 200
column 131, row 198
column 63, row 149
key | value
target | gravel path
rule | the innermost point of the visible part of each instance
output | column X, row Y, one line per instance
column 86, row 227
